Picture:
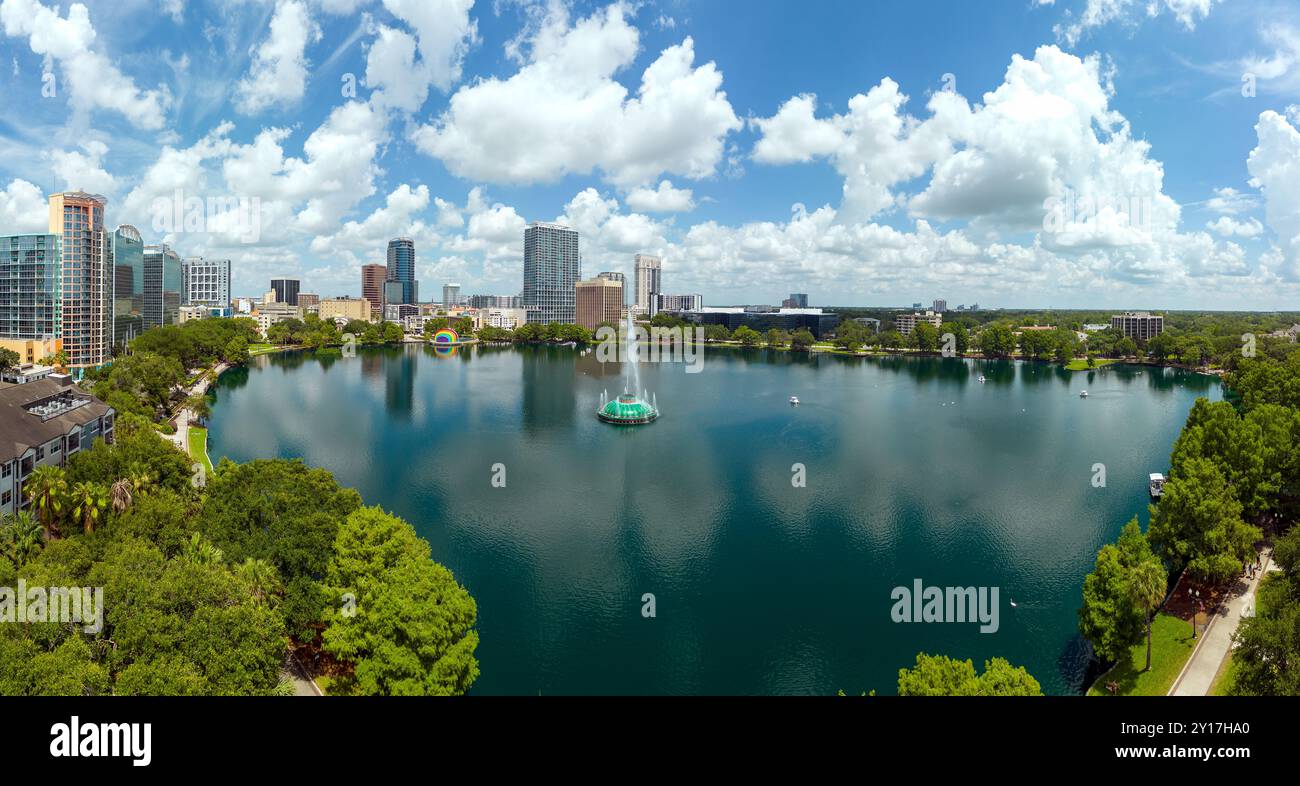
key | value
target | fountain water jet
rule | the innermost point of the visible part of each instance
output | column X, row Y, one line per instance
column 629, row 409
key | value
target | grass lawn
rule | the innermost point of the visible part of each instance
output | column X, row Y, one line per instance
column 1171, row 646
column 1081, row 364
column 262, row 349
column 198, row 441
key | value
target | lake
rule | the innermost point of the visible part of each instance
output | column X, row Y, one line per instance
column 911, row 469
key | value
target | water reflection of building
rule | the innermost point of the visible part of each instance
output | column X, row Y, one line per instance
column 399, row 378
column 547, row 387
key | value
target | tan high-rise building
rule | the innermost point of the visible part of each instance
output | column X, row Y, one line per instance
column 78, row 218
column 598, row 301
column 346, row 307
column 372, row 286
column 648, row 271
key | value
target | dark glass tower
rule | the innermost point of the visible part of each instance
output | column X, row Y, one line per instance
column 286, row 290
column 401, row 269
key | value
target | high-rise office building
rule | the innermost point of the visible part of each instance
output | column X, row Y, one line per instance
column 939, row 306
column 31, row 287
column 1138, row 325
column 128, row 284
column 552, row 267
column 648, row 284
column 286, row 290
column 401, row 269
column 162, row 286
column 598, row 301
column 451, row 294
column 372, row 286
column 796, row 300
column 78, row 218
column 205, row 282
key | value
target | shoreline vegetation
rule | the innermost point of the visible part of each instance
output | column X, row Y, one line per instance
column 273, row 556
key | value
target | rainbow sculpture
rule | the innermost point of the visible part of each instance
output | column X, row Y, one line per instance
column 446, row 338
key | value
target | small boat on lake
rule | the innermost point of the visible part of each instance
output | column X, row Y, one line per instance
column 794, row 400
column 982, row 379
column 1156, row 485
column 1083, row 394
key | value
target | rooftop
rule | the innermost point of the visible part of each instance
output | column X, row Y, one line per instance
column 41, row 411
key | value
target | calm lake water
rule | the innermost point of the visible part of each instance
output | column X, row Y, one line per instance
column 914, row 469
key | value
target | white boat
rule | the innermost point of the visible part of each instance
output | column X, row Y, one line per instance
column 794, row 400
column 1156, row 485
column 982, row 379
column 1083, row 394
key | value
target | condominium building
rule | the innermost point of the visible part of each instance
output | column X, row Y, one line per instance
column 42, row 423
column 286, row 290
column 648, row 272
column 940, row 306
column 401, row 270
column 552, row 268
column 906, row 323
column 681, row 302
column 372, row 286
column 598, row 301
column 796, row 300
column 162, row 286
column 86, row 250
column 128, row 284
column 308, row 302
column 1138, row 325
column 31, row 287
column 205, row 282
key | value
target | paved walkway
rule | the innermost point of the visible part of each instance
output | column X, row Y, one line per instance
column 1216, row 640
column 302, row 684
column 182, row 419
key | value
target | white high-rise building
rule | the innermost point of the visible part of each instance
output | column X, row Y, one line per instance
column 205, row 282
column 648, row 284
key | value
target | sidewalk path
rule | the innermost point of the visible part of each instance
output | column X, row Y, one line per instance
column 1216, row 640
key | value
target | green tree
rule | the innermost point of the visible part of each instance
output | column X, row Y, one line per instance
column 46, row 489
column 1108, row 619
column 802, row 340
column 997, row 341
column 88, row 501
column 411, row 631
column 939, row 675
column 746, row 336
column 1198, row 524
column 1145, row 589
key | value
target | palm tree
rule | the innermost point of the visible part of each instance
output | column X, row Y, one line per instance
column 20, row 537
column 198, row 551
column 89, row 501
column 262, row 580
column 120, row 493
column 45, row 488
column 1146, row 588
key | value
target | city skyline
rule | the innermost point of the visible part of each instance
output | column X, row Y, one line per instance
column 871, row 181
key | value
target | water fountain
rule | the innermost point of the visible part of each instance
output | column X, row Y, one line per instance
column 629, row 409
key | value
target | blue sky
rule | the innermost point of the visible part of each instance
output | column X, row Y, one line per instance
column 1017, row 153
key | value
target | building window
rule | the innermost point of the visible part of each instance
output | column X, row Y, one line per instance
column 40, row 452
column 6, row 498
column 26, row 468
column 54, row 447
column 7, row 470
column 74, row 441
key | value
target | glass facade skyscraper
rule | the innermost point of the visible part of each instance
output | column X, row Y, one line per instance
column 401, row 270
column 552, row 268
column 162, row 286
column 128, row 284
column 31, row 286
